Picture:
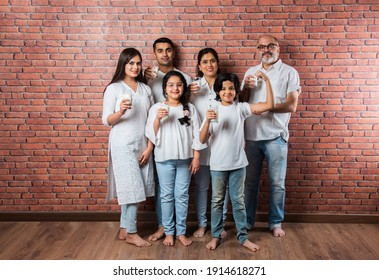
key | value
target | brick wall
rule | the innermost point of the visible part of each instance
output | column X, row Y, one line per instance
column 57, row 56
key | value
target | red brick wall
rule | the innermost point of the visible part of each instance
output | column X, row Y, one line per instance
column 57, row 56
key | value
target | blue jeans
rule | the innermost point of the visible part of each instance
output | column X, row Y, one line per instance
column 174, row 180
column 275, row 151
column 128, row 219
column 235, row 180
column 201, row 183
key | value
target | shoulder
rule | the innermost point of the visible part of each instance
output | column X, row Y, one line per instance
column 288, row 68
column 253, row 69
column 114, row 87
column 192, row 108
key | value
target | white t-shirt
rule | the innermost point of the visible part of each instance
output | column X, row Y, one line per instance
column 202, row 101
column 174, row 140
column 226, row 139
column 156, row 85
column 284, row 79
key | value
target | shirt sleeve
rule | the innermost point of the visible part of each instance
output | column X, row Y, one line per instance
column 149, row 128
column 293, row 81
column 109, row 103
column 196, row 144
column 245, row 110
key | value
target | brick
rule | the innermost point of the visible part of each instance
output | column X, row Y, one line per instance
column 59, row 68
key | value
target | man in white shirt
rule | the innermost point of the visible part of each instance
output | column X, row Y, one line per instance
column 164, row 51
column 267, row 134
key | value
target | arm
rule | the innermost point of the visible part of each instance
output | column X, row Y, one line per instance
column 290, row 105
column 115, row 117
column 204, row 132
column 161, row 113
column 247, row 85
column 195, row 163
column 259, row 108
column 146, row 153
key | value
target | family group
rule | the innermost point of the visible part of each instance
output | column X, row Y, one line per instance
column 167, row 127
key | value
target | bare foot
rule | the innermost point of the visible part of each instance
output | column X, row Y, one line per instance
column 157, row 235
column 135, row 239
column 169, row 240
column 223, row 234
column 278, row 232
column 213, row 244
column 122, row 234
column 251, row 246
column 200, row 232
column 184, row 240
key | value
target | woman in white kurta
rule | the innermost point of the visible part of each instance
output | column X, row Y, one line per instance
column 126, row 103
column 173, row 127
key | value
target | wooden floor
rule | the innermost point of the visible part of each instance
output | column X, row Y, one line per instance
column 98, row 241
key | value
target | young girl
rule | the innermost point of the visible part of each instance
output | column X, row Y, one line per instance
column 228, row 158
column 126, row 103
column 202, row 97
column 173, row 127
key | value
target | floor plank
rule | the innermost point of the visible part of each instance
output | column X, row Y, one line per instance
column 99, row 241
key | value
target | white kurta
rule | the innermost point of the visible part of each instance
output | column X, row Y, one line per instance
column 126, row 180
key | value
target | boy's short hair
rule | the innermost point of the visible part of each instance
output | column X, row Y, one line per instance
column 217, row 87
column 163, row 40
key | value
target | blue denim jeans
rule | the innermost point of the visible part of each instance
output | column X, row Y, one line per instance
column 128, row 219
column 235, row 180
column 275, row 152
column 174, row 179
column 202, row 180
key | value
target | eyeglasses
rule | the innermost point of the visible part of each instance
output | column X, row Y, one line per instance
column 171, row 85
column 271, row 47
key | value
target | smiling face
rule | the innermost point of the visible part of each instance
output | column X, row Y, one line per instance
column 227, row 93
column 174, row 88
column 133, row 67
column 208, row 65
column 164, row 54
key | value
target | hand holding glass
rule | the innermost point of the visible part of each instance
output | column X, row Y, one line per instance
column 164, row 111
column 129, row 97
column 213, row 113
column 195, row 85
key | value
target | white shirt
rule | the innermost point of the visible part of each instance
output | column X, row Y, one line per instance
column 156, row 85
column 226, row 139
column 202, row 101
column 284, row 79
column 174, row 140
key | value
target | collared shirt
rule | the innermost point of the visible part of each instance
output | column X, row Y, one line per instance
column 284, row 79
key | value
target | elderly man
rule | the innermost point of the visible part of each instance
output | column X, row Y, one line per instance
column 267, row 134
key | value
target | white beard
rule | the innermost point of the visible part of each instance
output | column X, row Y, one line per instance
column 270, row 60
